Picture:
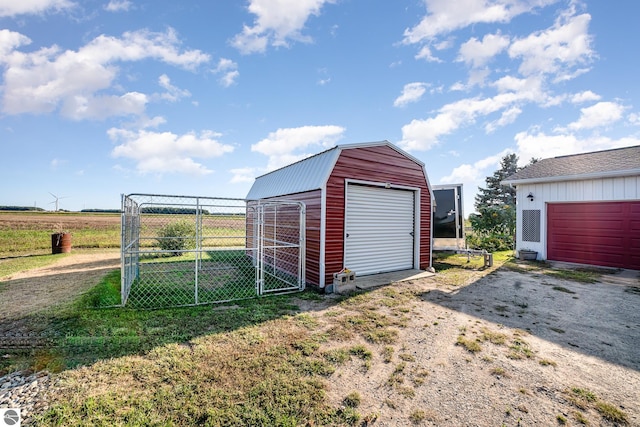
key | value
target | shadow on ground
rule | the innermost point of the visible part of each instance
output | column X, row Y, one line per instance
column 598, row 319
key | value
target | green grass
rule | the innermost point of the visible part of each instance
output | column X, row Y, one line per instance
column 33, row 242
column 576, row 275
column 224, row 275
column 252, row 363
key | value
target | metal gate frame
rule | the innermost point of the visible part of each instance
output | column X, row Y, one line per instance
column 273, row 233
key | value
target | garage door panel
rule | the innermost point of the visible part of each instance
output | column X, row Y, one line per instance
column 599, row 233
column 604, row 224
column 572, row 240
column 379, row 227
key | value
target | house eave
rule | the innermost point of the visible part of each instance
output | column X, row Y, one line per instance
column 581, row 177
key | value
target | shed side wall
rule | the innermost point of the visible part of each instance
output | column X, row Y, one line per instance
column 376, row 164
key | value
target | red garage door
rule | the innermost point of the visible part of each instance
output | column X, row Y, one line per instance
column 597, row 233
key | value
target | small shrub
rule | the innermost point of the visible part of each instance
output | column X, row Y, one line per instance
column 562, row 420
column 177, row 236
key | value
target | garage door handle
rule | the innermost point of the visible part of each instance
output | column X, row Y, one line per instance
column 411, row 234
column 347, row 234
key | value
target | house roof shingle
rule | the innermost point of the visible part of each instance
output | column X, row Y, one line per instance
column 616, row 162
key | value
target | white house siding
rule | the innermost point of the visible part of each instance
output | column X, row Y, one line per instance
column 604, row 189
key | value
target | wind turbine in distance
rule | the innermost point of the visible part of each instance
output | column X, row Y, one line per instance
column 56, row 200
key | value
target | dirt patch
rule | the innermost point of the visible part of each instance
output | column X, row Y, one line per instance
column 532, row 345
column 28, row 292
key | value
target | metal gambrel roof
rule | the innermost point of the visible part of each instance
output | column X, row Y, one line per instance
column 597, row 164
column 308, row 174
column 305, row 175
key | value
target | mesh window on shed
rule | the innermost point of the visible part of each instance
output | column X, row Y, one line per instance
column 531, row 225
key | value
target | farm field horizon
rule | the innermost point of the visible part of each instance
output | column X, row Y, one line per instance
column 29, row 233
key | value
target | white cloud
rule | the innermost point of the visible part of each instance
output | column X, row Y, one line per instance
column 444, row 44
column 508, row 116
column 80, row 107
column 540, row 145
column 56, row 163
column 476, row 172
column 285, row 146
column 412, row 92
column 557, row 49
column 118, row 6
column 228, row 70
column 172, row 93
column 20, row 7
column 277, row 22
column 43, row 80
column 600, row 114
column 241, row 175
column 444, row 16
column 477, row 53
column 425, row 53
column 166, row 152
column 423, row 134
column 586, row 96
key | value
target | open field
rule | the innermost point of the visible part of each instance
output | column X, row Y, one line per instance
column 29, row 233
column 517, row 344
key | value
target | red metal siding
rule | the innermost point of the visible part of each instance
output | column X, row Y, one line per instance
column 312, row 200
column 597, row 233
column 376, row 164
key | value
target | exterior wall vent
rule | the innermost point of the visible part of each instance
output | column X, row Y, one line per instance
column 531, row 225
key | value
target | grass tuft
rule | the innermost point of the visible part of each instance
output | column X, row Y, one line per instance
column 471, row 345
column 611, row 413
column 352, row 400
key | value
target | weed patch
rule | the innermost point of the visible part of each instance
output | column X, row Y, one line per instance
column 352, row 400
column 471, row 345
column 611, row 413
column 519, row 349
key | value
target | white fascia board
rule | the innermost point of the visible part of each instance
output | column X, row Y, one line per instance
column 582, row 177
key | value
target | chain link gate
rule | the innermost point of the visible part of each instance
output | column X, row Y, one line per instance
column 181, row 250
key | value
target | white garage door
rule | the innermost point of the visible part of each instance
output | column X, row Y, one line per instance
column 379, row 229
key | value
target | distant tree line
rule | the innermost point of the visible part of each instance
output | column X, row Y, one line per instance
column 172, row 210
column 100, row 210
column 21, row 208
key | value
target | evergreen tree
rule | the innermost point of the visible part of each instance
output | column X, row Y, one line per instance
column 497, row 194
column 494, row 225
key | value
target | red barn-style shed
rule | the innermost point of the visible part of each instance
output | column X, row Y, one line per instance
column 368, row 208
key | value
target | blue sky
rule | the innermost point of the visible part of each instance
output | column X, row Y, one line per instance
column 103, row 97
